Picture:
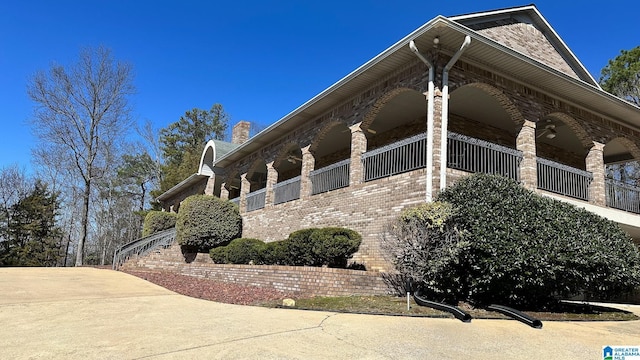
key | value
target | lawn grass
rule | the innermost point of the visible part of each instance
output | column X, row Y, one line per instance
column 391, row 305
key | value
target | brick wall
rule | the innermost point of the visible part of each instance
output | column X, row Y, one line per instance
column 297, row 280
column 365, row 208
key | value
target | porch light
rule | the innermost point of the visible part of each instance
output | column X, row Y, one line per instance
column 551, row 134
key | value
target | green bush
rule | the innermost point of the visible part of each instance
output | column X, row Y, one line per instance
column 205, row 221
column 526, row 249
column 308, row 247
column 244, row 251
column 300, row 249
column 219, row 255
column 156, row 221
column 275, row 253
column 333, row 246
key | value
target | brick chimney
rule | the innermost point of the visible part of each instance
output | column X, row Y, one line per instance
column 240, row 132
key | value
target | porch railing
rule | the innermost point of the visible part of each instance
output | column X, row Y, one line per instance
column 334, row 176
column 255, row 200
column 286, row 190
column 143, row 246
column 235, row 200
column 564, row 180
column 479, row 156
column 402, row 156
column 622, row 196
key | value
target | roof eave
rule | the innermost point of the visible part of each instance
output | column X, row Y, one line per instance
column 192, row 179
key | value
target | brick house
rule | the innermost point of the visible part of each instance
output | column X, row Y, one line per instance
column 495, row 92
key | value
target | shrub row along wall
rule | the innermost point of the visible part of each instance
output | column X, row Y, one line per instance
column 297, row 280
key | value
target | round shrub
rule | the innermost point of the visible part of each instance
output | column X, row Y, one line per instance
column 275, row 253
column 156, row 221
column 300, row 248
column 205, row 221
column 219, row 255
column 526, row 249
column 244, row 251
column 333, row 246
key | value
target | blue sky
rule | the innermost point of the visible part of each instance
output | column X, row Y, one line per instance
column 259, row 60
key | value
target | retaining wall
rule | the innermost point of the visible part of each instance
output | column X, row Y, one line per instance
column 296, row 280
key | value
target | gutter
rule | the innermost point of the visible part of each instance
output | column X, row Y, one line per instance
column 445, row 111
column 430, row 97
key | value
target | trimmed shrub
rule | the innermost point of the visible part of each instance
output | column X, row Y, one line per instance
column 219, row 255
column 333, row 246
column 244, row 251
column 308, row 247
column 205, row 221
column 300, row 249
column 526, row 249
column 156, row 221
column 275, row 253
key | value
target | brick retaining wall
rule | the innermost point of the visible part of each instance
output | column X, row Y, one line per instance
column 298, row 280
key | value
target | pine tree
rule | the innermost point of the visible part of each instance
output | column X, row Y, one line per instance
column 32, row 235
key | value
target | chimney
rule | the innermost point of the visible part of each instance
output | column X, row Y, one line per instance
column 240, row 132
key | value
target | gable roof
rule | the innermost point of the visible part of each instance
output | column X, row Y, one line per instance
column 485, row 22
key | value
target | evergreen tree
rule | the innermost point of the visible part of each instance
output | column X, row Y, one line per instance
column 32, row 237
column 621, row 76
column 182, row 142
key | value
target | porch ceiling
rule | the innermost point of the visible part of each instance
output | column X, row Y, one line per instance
column 482, row 52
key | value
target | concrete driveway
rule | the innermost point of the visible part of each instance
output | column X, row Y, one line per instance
column 85, row 313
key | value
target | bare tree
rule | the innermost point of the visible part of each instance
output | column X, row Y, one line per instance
column 80, row 113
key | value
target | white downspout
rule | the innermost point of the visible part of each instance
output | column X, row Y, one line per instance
column 430, row 96
column 445, row 111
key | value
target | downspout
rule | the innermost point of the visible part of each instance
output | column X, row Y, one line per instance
column 430, row 96
column 445, row 112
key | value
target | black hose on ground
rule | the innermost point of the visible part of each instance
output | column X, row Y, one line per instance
column 455, row 311
column 522, row 317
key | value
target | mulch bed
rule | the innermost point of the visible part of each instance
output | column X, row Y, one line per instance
column 210, row 289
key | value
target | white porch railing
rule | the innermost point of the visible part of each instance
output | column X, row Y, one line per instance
column 286, row 190
column 479, row 156
column 334, row 176
column 255, row 200
column 402, row 156
column 564, row 180
column 622, row 196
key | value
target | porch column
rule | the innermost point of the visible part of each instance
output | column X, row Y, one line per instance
column 224, row 193
column 358, row 147
column 437, row 135
column 244, row 190
column 272, row 179
column 595, row 164
column 211, row 182
column 526, row 142
column 308, row 162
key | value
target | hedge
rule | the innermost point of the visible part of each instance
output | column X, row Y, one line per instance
column 309, row 247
